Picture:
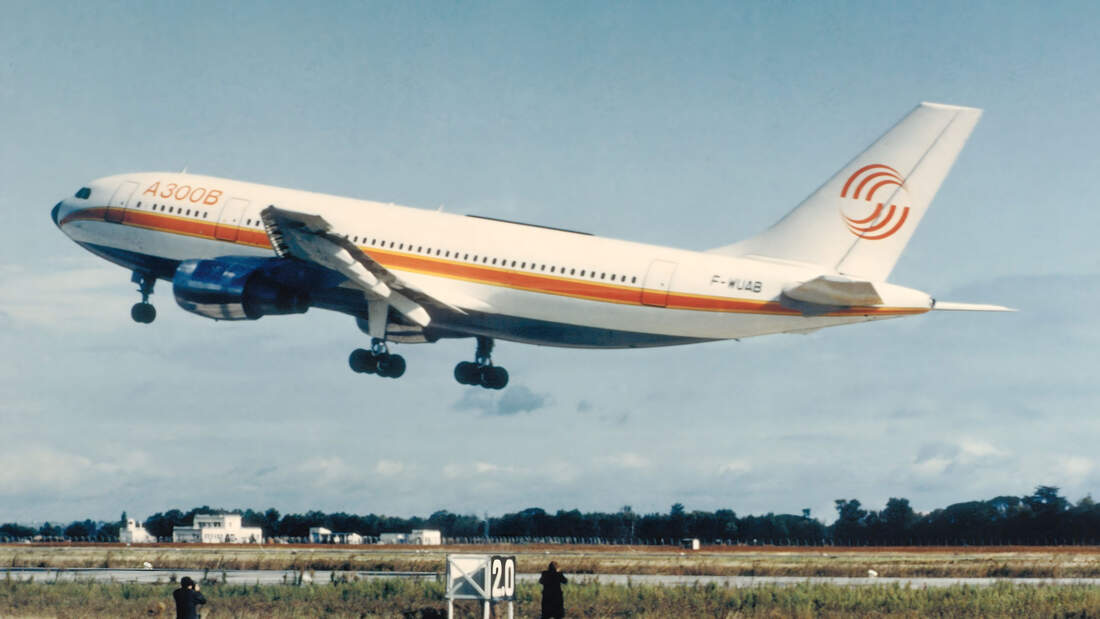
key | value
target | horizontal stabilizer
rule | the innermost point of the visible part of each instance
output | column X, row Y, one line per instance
column 835, row 290
column 948, row 306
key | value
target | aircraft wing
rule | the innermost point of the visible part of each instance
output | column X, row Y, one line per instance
column 311, row 238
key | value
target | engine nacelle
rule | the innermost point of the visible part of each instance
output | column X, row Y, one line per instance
column 234, row 289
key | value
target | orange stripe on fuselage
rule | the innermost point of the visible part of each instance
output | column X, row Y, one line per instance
column 484, row 274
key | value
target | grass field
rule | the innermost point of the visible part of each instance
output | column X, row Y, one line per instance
column 397, row 598
column 403, row 598
column 1052, row 562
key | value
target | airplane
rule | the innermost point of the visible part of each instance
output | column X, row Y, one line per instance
column 240, row 251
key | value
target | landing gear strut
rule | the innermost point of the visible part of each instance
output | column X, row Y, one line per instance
column 482, row 371
column 143, row 312
column 378, row 360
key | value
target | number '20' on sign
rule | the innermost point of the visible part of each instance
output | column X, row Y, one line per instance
column 502, row 572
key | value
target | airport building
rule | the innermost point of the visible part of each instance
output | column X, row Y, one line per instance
column 418, row 537
column 321, row 535
column 218, row 529
column 134, row 533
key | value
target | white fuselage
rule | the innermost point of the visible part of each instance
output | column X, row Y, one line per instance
column 524, row 274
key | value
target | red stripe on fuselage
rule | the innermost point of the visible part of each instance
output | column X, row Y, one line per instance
column 484, row 274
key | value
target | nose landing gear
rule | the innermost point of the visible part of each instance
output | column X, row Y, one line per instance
column 378, row 360
column 144, row 312
column 482, row 372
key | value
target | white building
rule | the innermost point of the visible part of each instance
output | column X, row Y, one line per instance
column 418, row 537
column 393, row 538
column 319, row 535
column 347, row 538
column 134, row 533
column 218, row 529
column 425, row 537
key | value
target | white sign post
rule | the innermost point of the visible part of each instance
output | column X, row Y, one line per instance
column 488, row 578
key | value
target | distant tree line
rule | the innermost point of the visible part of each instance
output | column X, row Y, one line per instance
column 1043, row 517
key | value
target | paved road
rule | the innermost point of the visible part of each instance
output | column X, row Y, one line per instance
column 276, row 577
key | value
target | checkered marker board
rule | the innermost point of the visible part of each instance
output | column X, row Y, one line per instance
column 481, row 577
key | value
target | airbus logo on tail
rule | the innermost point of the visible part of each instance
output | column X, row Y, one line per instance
column 862, row 186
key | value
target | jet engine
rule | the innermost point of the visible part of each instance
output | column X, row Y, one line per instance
column 236, row 289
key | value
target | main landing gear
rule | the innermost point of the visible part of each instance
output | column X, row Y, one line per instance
column 378, row 360
column 144, row 312
column 482, row 371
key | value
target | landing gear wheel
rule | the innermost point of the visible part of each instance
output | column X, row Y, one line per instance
column 494, row 377
column 391, row 366
column 467, row 373
column 362, row 361
column 143, row 313
column 482, row 372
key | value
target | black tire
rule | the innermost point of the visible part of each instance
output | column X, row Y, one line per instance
column 467, row 373
column 143, row 313
column 391, row 366
column 494, row 377
column 362, row 361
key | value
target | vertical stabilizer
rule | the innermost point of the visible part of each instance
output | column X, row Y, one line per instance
column 859, row 222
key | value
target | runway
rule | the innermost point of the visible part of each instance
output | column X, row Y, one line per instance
column 289, row 577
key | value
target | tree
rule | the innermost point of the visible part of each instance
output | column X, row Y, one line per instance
column 850, row 525
column 897, row 519
column 12, row 529
column 80, row 529
column 49, row 530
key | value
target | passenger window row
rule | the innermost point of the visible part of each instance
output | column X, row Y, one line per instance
column 502, row 262
column 428, row 251
column 176, row 210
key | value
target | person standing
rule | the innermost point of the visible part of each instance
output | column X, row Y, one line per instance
column 553, row 604
column 188, row 599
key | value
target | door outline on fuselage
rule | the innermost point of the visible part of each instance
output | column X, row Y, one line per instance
column 657, row 282
column 116, row 208
column 229, row 220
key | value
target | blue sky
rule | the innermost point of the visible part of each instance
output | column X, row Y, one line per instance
column 687, row 126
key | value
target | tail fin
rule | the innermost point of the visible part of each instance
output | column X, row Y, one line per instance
column 859, row 222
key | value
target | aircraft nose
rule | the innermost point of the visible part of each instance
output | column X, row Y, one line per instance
column 53, row 214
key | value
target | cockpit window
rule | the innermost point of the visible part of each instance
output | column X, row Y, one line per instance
column 84, row 193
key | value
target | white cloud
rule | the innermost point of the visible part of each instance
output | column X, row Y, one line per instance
column 90, row 298
column 625, row 460
column 388, row 468
column 931, row 467
column 734, row 467
column 1075, row 467
column 326, row 469
column 977, row 448
column 39, row 468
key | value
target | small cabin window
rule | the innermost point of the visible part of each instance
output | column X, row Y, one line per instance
column 634, row 280
column 83, row 193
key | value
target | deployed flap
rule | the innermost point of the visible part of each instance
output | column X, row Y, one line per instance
column 835, row 290
column 309, row 237
column 861, row 219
